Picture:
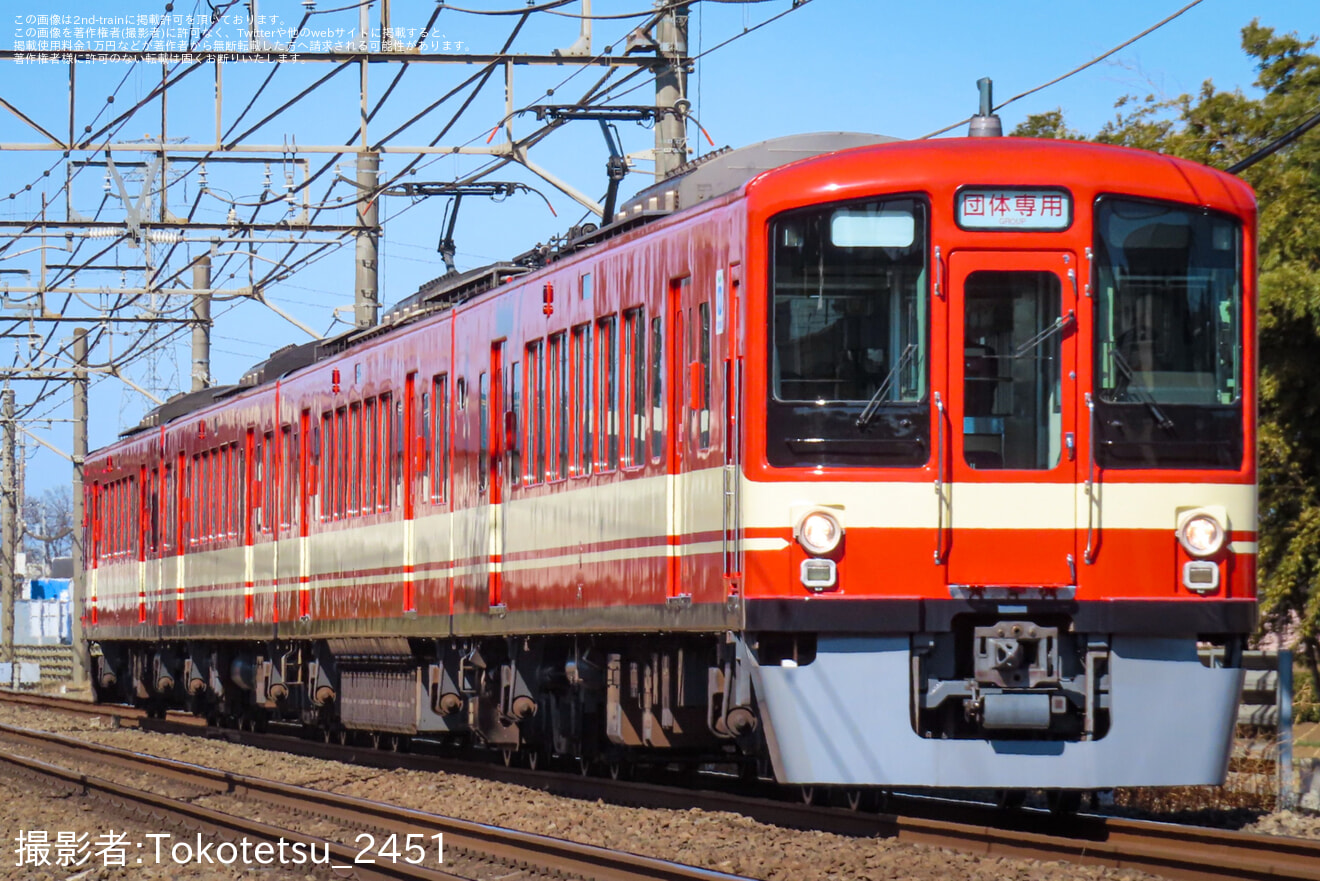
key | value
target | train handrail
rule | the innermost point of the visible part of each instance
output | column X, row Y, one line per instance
column 1092, row 530
column 939, row 479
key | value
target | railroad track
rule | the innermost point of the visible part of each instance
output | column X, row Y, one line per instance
column 1170, row 850
column 473, row 844
column 121, row 714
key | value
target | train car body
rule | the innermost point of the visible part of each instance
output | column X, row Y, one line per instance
column 910, row 464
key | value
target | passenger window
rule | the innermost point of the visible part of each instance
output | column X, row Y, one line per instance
column 371, row 488
column 536, row 382
column 703, row 415
column 438, row 441
column 557, row 382
column 582, row 400
column 483, row 417
column 384, row 469
column 534, row 415
column 342, row 455
column 515, row 450
column 608, row 404
column 657, row 388
column 635, row 401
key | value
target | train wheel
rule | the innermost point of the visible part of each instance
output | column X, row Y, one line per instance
column 1010, row 799
column 342, row 736
column 808, row 794
column 616, row 769
column 584, row 766
column 327, row 735
column 507, row 752
column 868, row 801
column 1064, row 802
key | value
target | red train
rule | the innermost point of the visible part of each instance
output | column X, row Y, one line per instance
column 923, row 463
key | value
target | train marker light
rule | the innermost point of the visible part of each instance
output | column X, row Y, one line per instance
column 1201, row 535
column 819, row 575
column 819, row 533
column 1201, row 576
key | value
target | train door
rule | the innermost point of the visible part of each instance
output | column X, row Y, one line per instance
column 413, row 461
column 92, row 542
column 727, row 291
column 251, row 522
column 165, row 518
column 493, row 430
column 146, row 540
column 1010, row 419
column 676, row 439
column 305, row 478
column 183, row 505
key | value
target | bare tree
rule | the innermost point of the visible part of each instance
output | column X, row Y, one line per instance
column 48, row 525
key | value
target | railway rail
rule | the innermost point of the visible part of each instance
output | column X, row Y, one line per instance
column 120, row 713
column 1170, row 850
column 472, row 843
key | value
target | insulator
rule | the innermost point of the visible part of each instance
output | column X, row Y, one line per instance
column 201, row 176
column 267, row 182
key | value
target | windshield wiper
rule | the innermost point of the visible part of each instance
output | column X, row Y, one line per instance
column 1141, row 393
column 873, row 405
column 1058, row 326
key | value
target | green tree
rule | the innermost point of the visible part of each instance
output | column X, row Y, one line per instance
column 1220, row 129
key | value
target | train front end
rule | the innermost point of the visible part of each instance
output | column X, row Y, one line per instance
column 999, row 465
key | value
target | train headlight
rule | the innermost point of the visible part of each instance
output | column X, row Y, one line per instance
column 1201, row 535
column 819, row 533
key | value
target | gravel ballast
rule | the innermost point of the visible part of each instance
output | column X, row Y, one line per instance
column 721, row 841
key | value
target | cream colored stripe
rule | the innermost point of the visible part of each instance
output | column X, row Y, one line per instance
column 998, row 505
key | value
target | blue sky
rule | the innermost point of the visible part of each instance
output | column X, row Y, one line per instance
column 901, row 69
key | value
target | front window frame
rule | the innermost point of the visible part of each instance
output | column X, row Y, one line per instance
column 825, row 430
column 1152, row 427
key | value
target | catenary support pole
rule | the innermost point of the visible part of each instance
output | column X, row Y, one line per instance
column 671, row 90
column 8, row 522
column 79, row 514
column 201, row 331
column 367, row 301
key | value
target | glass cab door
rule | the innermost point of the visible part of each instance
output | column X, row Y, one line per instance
column 1012, row 415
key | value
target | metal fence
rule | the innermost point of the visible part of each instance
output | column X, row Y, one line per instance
column 1266, row 711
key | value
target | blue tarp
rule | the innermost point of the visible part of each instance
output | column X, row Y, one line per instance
column 49, row 588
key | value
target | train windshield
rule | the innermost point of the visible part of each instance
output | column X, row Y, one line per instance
column 848, row 359
column 1168, row 335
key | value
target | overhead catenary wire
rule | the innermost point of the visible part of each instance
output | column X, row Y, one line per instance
column 598, row 93
column 1076, row 70
column 1274, row 146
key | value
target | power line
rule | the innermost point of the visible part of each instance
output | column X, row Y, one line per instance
column 1075, row 70
column 1274, row 146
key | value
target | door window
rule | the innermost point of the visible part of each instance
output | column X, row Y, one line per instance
column 1011, row 376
